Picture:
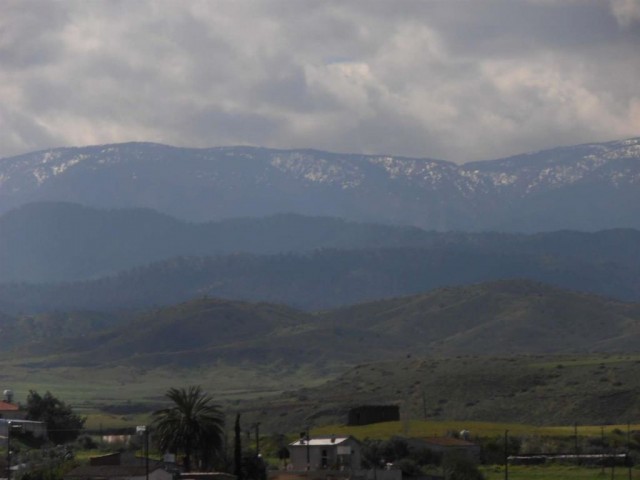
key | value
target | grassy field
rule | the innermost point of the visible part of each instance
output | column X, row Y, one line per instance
column 525, row 395
column 122, row 385
column 418, row 428
column 97, row 393
column 559, row 472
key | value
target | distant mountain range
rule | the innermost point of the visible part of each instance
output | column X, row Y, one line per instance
column 52, row 241
column 584, row 187
column 57, row 256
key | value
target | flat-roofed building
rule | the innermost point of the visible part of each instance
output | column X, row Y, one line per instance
column 325, row 453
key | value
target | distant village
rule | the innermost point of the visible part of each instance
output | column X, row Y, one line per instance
column 310, row 456
column 125, row 456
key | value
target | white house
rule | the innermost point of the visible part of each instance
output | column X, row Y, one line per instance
column 325, row 453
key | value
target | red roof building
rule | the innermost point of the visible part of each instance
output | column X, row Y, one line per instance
column 10, row 410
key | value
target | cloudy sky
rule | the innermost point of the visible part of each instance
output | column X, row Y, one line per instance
column 457, row 80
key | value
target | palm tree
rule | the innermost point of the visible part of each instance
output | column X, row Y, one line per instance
column 193, row 425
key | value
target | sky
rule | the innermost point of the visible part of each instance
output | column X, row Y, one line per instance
column 453, row 80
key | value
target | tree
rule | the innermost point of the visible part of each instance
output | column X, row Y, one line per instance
column 193, row 425
column 458, row 466
column 237, row 450
column 62, row 424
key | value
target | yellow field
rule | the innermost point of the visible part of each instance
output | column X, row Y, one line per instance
column 559, row 472
column 418, row 428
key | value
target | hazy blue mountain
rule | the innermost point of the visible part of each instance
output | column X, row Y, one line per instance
column 53, row 241
column 585, row 187
column 49, row 242
column 323, row 278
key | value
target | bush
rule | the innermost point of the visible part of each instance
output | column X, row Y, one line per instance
column 85, row 442
column 460, row 467
column 409, row 467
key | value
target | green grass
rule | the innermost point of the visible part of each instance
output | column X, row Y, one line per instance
column 532, row 391
column 586, row 360
column 418, row 428
column 558, row 472
column 118, row 385
column 97, row 420
column 89, row 390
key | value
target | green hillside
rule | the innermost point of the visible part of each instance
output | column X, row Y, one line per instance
column 498, row 318
column 506, row 317
column 536, row 390
column 493, row 352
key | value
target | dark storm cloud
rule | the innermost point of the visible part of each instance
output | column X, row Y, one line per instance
column 460, row 80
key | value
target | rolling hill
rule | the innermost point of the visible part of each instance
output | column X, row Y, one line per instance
column 506, row 317
column 509, row 351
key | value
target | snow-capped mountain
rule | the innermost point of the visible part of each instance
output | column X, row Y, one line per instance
column 586, row 187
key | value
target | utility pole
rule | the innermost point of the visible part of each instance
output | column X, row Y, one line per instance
column 144, row 430
column 602, row 443
column 506, row 455
column 575, row 440
column 628, row 458
column 308, row 439
column 424, row 406
column 257, row 425
column 8, row 450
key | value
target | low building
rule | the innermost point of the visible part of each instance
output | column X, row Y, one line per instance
column 325, row 453
column 367, row 414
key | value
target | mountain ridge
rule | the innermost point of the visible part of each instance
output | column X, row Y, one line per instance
column 544, row 190
column 318, row 280
column 63, row 242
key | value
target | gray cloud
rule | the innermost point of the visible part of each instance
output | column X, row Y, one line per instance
column 461, row 80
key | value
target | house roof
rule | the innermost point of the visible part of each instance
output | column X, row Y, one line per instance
column 6, row 406
column 320, row 441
